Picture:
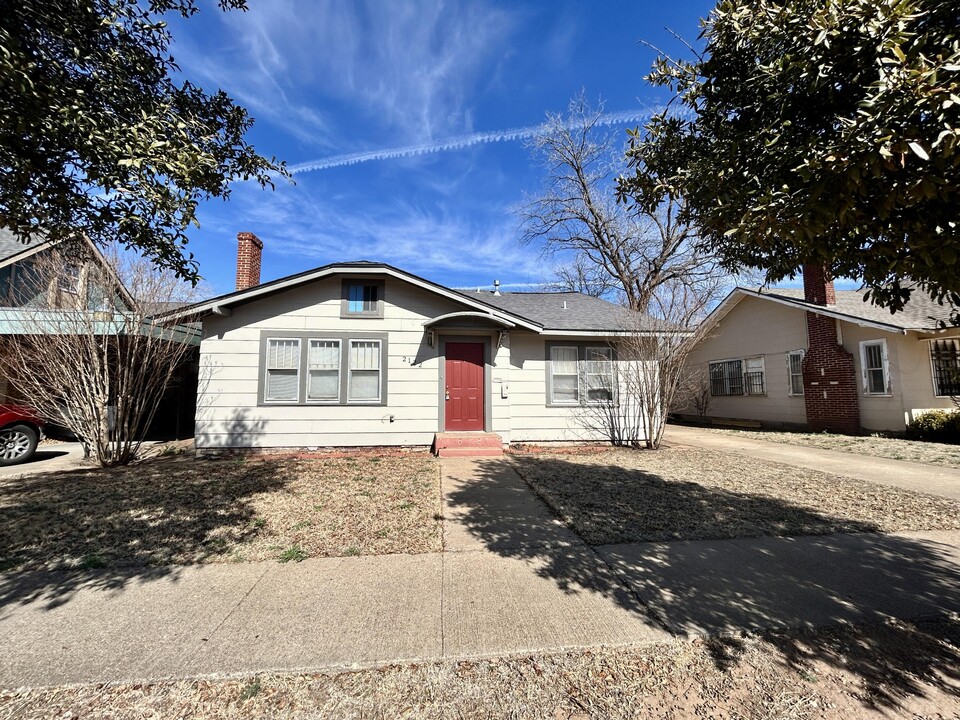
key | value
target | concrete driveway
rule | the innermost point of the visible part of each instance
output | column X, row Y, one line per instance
column 50, row 457
column 931, row 479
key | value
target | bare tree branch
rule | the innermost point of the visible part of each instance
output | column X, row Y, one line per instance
column 578, row 219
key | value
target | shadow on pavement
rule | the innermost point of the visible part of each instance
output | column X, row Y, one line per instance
column 721, row 588
column 101, row 529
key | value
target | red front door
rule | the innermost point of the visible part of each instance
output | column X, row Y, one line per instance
column 464, row 386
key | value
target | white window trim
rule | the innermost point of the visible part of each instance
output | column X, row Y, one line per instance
column 554, row 374
column 885, row 366
column 325, row 401
column 73, row 288
column 790, row 393
column 267, row 369
column 365, row 401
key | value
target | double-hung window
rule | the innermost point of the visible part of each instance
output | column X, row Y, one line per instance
column 795, row 371
column 317, row 368
column 726, row 378
column 364, row 382
column 945, row 360
column 323, row 371
column 283, row 370
column 876, row 373
column 565, row 376
column 754, row 380
column 69, row 279
column 598, row 375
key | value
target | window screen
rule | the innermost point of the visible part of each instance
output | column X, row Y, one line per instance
column 795, row 369
column 874, row 368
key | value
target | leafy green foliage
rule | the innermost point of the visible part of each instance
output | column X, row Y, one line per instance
column 818, row 131
column 96, row 136
column 941, row 426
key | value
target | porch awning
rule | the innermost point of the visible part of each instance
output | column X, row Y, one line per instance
column 469, row 318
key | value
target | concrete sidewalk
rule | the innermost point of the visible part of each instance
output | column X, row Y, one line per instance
column 929, row 479
column 512, row 580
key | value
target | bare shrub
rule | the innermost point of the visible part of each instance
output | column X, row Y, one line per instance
column 88, row 353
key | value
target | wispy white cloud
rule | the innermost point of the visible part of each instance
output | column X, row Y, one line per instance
column 408, row 67
column 457, row 142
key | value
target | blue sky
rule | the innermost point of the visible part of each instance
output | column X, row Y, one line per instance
column 331, row 79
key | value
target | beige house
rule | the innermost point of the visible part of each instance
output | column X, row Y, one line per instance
column 365, row 354
column 826, row 359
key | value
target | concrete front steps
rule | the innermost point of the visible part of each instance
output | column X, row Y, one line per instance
column 467, row 444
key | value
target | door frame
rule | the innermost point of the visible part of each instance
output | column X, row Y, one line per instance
column 487, row 343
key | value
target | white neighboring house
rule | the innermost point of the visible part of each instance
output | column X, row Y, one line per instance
column 824, row 359
column 365, row 354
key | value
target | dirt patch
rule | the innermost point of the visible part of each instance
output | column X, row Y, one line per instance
column 917, row 451
column 160, row 513
column 684, row 493
column 893, row 669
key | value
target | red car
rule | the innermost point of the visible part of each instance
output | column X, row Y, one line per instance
column 20, row 430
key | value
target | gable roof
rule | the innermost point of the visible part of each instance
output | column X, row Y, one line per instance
column 921, row 313
column 539, row 312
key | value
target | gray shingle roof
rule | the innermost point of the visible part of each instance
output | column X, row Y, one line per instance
column 921, row 313
column 582, row 312
column 9, row 245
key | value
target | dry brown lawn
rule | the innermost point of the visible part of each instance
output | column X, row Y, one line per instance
column 684, row 493
column 881, row 671
column 195, row 511
column 917, row 451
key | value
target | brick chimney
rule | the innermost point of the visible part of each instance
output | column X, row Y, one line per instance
column 817, row 287
column 249, row 251
column 830, row 393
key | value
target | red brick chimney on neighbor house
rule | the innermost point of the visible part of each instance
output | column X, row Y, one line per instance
column 829, row 375
column 249, row 252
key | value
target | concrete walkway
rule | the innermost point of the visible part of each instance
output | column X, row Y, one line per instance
column 930, row 479
column 511, row 580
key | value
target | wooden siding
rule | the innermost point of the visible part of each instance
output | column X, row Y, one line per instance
column 756, row 327
column 228, row 414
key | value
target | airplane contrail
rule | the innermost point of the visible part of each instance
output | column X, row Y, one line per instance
column 457, row 142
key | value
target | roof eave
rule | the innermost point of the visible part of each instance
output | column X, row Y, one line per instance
column 229, row 300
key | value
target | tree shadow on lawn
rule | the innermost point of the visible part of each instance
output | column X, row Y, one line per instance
column 104, row 528
column 721, row 588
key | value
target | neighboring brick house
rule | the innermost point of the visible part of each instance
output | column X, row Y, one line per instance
column 825, row 359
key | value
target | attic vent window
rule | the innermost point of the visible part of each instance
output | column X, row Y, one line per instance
column 362, row 298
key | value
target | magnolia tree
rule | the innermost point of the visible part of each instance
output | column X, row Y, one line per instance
column 88, row 353
column 644, row 376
